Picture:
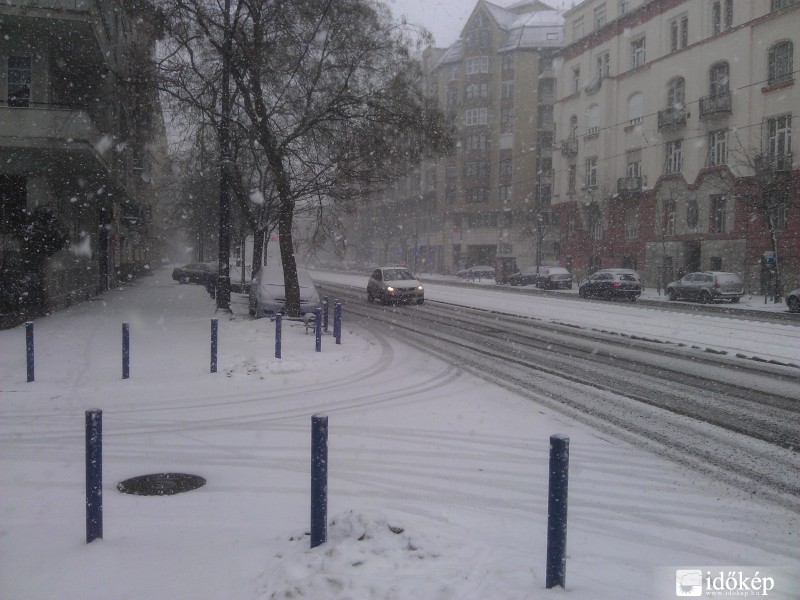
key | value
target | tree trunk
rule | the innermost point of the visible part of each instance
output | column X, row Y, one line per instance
column 292, row 288
column 258, row 251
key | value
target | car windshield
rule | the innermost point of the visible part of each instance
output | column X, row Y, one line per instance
column 396, row 275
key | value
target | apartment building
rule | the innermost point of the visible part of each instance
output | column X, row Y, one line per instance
column 82, row 148
column 676, row 120
column 491, row 196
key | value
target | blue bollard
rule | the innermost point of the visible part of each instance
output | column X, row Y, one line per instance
column 318, row 328
column 278, row 319
column 126, row 351
column 214, row 329
column 319, row 480
column 29, row 349
column 557, row 512
column 94, row 475
column 337, row 321
column 325, row 314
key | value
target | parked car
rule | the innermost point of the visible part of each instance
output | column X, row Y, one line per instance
column 267, row 295
column 394, row 284
column 707, row 286
column 612, row 283
column 477, row 272
column 197, row 272
column 553, row 278
column 793, row 300
column 527, row 276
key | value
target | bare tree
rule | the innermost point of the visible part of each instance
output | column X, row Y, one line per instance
column 327, row 88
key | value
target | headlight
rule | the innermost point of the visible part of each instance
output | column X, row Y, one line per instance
column 419, row 288
column 389, row 288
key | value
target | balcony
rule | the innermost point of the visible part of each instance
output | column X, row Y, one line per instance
column 629, row 185
column 712, row 106
column 770, row 165
column 569, row 147
column 672, row 118
column 42, row 135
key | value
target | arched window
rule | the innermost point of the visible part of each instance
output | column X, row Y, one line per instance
column 676, row 93
column 719, row 79
column 692, row 213
column 636, row 108
column 593, row 120
column 779, row 64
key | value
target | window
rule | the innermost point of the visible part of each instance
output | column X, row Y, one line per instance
column 593, row 120
column 668, row 223
column 547, row 89
column 778, row 4
column 591, row 172
column 479, row 168
column 676, row 93
column 450, row 195
column 716, row 220
column 577, row 28
column 506, row 118
column 678, row 33
column 635, row 108
column 603, row 62
column 692, row 213
column 507, row 90
column 715, row 263
column 576, row 80
column 638, row 53
column 477, row 64
column 780, row 63
column 19, row 81
column 719, row 79
column 482, row 220
column 717, row 148
column 452, row 97
column 572, row 177
column 633, row 166
column 779, row 216
column 545, row 112
column 779, row 135
column 505, row 193
column 479, row 38
column 476, row 116
column 599, row 16
column 506, row 167
column 451, row 172
column 507, row 63
column 476, row 90
column 452, row 72
column 479, row 142
column 728, row 14
column 544, row 140
column 477, row 195
column 631, row 222
column 624, row 6
column 674, row 157
column 716, row 17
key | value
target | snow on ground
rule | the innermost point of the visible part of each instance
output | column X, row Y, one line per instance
column 437, row 480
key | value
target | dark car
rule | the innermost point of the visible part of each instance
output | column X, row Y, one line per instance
column 527, row 276
column 194, row 272
column 554, row 278
column 793, row 300
column 394, row 284
column 707, row 286
column 610, row 284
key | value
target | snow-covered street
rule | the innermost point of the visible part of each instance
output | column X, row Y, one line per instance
column 437, row 480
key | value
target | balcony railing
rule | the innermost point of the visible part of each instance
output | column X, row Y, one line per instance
column 716, row 105
column 775, row 163
column 629, row 185
column 569, row 147
column 672, row 118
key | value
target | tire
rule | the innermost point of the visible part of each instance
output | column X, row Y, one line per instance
column 183, row 279
column 735, row 300
column 793, row 303
column 672, row 296
column 421, row 301
column 705, row 298
column 634, row 298
column 581, row 293
column 608, row 295
column 370, row 298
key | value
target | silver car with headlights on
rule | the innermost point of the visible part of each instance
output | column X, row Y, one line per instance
column 393, row 285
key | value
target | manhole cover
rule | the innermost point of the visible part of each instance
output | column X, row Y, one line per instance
column 161, row 484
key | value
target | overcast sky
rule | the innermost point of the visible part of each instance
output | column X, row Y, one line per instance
column 446, row 18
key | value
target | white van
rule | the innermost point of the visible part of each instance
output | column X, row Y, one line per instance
column 267, row 294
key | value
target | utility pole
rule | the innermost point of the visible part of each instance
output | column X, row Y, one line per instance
column 224, row 274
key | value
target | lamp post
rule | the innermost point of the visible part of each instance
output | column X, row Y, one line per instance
column 223, row 291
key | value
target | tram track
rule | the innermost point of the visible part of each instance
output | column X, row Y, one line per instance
column 733, row 418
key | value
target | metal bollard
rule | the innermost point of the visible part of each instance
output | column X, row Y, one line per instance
column 29, row 349
column 94, row 475
column 214, row 330
column 278, row 320
column 126, row 351
column 325, row 314
column 319, row 480
column 337, row 321
column 557, row 512
column 318, row 329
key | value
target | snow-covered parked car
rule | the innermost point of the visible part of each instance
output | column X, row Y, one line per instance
column 793, row 300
